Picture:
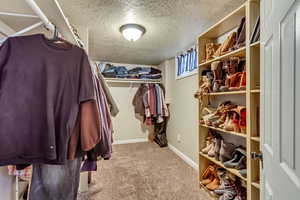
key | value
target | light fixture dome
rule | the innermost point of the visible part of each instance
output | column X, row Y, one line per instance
column 132, row 32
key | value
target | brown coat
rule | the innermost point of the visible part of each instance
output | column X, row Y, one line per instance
column 86, row 133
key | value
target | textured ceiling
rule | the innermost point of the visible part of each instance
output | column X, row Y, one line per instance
column 172, row 25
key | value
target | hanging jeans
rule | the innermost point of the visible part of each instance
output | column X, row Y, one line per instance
column 55, row 182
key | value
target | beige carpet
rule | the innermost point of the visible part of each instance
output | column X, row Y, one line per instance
column 143, row 171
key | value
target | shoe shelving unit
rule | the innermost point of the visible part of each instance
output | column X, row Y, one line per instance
column 251, row 96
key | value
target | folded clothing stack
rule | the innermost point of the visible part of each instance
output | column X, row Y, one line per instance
column 111, row 71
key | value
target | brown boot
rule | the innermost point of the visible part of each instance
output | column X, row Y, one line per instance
column 229, row 43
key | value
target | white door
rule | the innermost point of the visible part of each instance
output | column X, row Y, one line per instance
column 280, row 62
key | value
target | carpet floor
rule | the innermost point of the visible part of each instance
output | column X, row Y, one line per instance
column 143, row 171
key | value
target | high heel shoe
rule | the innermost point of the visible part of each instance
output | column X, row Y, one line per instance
column 239, row 159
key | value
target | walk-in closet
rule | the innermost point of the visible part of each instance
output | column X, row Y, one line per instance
column 149, row 99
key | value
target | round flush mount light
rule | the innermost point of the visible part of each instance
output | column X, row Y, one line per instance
column 132, row 32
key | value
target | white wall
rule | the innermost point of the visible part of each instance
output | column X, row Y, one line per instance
column 183, row 110
column 127, row 125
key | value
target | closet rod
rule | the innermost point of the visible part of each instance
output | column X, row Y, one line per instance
column 41, row 15
column 18, row 15
column 25, row 30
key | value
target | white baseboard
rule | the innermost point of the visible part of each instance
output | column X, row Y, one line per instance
column 184, row 157
column 137, row 140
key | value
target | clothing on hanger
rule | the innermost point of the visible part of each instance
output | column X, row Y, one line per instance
column 149, row 102
column 114, row 110
column 42, row 85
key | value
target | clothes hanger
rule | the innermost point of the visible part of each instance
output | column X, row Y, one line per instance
column 58, row 40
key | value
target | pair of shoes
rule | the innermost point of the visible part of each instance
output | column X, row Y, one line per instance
column 209, row 144
column 226, row 151
column 239, row 160
column 230, row 189
column 233, row 75
column 233, row 119
column 219, row 149
column 210, row 178
column 210, row 49
column 226, row 185
column 216, row 68
column 227, row 45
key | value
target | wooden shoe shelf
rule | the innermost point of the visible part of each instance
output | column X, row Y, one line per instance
column 251, row 96
column 224, row 131
column 239, row 92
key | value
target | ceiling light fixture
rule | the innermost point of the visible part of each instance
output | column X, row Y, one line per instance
column 132, row 32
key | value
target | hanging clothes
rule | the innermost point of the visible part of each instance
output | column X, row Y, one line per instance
column 149, row 102
column 49, row 113
column 104, row 148
column 42, row 86
column 114, row 110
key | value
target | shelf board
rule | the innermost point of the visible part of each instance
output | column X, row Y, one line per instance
column 241, row 52
column 127, row 80
column 255, row 91
column 256, row 139
column 255, row 44
column 226, row 24
column 225, row 93
column 233, row 171
column 256, row 184
column 224, row 131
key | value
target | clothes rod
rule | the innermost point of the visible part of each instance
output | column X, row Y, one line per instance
column 25, row 30
column 18, row 15
column 41, row 15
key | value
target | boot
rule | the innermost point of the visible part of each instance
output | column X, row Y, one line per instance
column 211, row 152
column 228, row 43
column 239, row 159
column 226, row 151
column 209, row 145
column 216, row 68
column 241, row 34
column 217, row 147
column 235, row 81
